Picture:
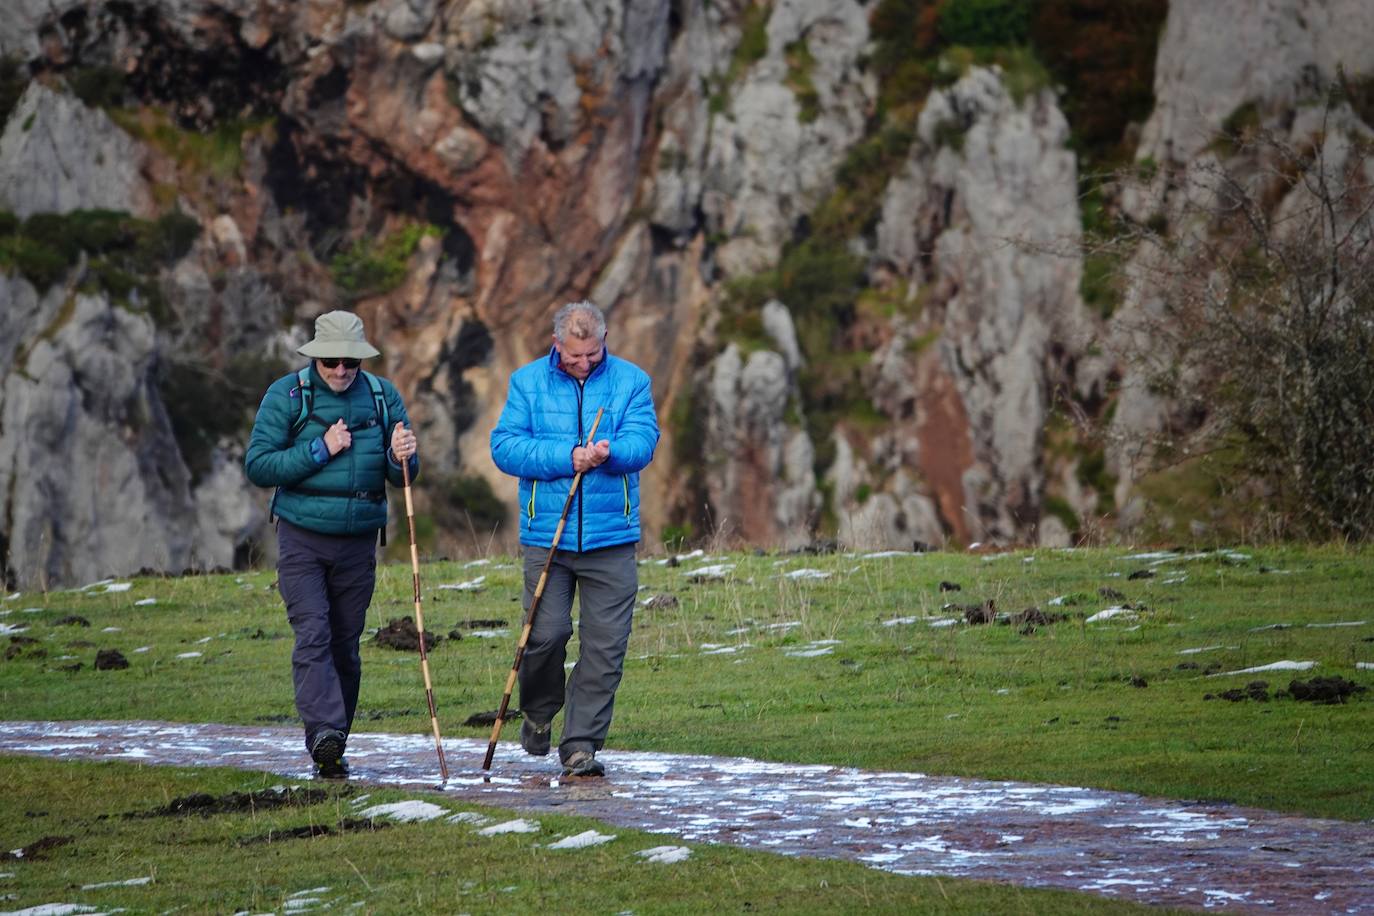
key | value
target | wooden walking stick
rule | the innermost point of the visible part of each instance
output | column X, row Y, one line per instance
column 534, row 605
column 420, row 621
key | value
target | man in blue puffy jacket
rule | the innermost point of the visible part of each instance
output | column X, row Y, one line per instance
column 329, row 437
column 542, row 439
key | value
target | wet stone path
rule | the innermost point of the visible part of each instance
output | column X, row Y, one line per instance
column 1109, row 843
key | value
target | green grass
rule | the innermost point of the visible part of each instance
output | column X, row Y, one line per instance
column 1055, row 706
column 226, row 863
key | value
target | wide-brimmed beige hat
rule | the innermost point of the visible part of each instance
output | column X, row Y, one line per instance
column 339, row 334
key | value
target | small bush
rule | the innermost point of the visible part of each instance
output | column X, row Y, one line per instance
column 13, row 82
column 368, row 268
column 799, row 66
column 985, row 23
column 97, row 87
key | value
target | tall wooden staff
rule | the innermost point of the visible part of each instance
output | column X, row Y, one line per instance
column 420, row 621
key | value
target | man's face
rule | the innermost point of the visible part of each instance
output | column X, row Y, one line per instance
column 339, row 375
column 579, row 357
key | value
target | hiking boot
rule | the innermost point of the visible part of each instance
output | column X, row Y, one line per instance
column 583, row 763
column 327, row 751
column 336, row 770
column 534, row 738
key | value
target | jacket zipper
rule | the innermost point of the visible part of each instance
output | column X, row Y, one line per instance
column 580, row 386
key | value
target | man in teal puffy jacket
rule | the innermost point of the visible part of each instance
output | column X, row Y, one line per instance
column 542, row 438
column 329, row 437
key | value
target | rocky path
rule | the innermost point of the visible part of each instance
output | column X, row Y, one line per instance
column 1109, row 843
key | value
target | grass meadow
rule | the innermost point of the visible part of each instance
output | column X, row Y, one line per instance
column 853, row 660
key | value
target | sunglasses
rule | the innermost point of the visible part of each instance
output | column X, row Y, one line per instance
column 333, row 363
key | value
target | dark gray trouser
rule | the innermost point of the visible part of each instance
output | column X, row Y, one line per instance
column 326, row 582
column 607, row 580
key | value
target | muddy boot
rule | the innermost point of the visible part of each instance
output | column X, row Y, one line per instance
column 583, row 763
column 327, row 751
column 534, row 738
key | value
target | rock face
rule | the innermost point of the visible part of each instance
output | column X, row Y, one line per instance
column 57, row 155
column 456, row 171
column 95, row 483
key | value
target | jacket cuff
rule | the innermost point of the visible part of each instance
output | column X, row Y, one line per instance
column 319, row 451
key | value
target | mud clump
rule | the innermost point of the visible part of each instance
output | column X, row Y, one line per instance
column 975, row 614
column 71, row 620
column 24, row 646
column 1142, row 574
column 310, row 831
column 478, row 719
column 110, row 660
column 402, row 634
column 1031, row 618
column 38, row 849
column 1110, row 593
column 660, row 603
column 946, row 586
column 1327, row 690
column 482, row 623
column 1255, row 690
column 204, row 804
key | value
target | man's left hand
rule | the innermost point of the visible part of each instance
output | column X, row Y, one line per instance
column 402, row 443
column 594, row 455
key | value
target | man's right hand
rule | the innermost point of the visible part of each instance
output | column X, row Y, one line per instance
column 337, row 438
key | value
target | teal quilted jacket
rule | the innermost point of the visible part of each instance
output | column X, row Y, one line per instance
column 345, row 495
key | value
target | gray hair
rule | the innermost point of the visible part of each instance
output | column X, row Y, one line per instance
column 582, row 320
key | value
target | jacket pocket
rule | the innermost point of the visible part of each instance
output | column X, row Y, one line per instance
column 529, row 506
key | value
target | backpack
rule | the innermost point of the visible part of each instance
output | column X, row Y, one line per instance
column 308, row 404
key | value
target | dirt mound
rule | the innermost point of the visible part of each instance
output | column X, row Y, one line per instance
column 403, row 635
column 71, row 620
column 110, row 660
column 204, row 804
column 489, row 717
column 1255, row 690
column 25, row 646
column 38, row 849
column 310, row 831
column 1328, row 690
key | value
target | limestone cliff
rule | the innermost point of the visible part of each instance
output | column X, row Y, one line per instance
column 858, row 293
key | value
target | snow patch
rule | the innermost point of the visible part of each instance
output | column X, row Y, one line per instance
column 718, row 571
column 1284, row 665
column 583, row 840
column 813, row 649
column 520, row 825
column 1109, row 613
column 471, row 585
column 806, row 574
column 131, row 882
column 406, row 811
column 665, row 855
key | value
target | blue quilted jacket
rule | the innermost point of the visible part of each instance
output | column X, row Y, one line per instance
column 345, row 494
column 547, row 414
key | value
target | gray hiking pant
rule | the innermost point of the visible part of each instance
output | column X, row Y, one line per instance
column 326, row 581
column 607, row 581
